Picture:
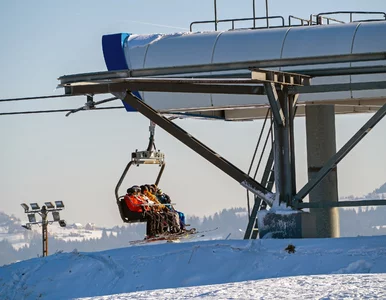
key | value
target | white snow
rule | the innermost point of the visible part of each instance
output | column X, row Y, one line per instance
column 352, row 268
column 143, row 40
column 363, row 286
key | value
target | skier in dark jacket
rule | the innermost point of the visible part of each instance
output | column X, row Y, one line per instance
column 165, row 199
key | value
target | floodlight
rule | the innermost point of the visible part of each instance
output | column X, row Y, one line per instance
column 31, row 218
column 59, row 204
column 62, row 223
column 49, row 205
column 34, row 206
column 26, row 226
column 25, row 206
column 56, row 216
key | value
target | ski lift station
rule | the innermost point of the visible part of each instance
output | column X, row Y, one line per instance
column 316, row 67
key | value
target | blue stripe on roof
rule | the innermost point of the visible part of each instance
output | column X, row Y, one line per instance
column 114, row 55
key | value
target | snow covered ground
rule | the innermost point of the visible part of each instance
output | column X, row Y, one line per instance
column 342, row 268
column 356, row 286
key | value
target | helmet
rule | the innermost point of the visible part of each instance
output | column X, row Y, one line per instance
column 130, row 191
column 151, row 188
column 144, row 188
column 167, row 199
column 136, row 189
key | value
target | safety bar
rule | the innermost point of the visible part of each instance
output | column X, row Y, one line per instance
column 238, row 20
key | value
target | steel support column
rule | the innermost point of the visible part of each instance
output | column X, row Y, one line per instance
column 286, row 195
column 292, row 100
column 279, row 102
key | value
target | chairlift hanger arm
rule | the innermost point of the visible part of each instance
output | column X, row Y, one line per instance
column 90, row 104
column 214, row 158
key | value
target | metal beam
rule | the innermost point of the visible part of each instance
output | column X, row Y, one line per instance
column 328, row 204
column 198, row 147
column 155, row 85
column 271, row 63
column 335, row 159
column 340, row 71
column 325, row 72
column 109, row 75
column 337, row 87
column 280, row 77
column 208, row 86
column 273, row 98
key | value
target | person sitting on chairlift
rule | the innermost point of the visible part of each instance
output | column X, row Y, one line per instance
column 140, row 209
column 171, row 217
column 161, row 222
column 165, row 199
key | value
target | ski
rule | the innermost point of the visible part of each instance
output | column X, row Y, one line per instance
column 185, row 237
column 162, row 237
column 172, row 237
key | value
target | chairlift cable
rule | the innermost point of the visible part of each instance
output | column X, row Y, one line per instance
column 54, row 111
column 35, row 98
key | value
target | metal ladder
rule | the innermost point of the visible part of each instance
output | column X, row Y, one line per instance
column 267, row 180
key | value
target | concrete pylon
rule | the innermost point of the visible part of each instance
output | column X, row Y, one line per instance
column 321, row 145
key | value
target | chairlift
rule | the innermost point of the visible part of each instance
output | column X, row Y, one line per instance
column 147, row 157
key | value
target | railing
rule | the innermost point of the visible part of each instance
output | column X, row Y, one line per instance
column 321, row 16
column 232, row 21
column 319, row 19
column 303, row 22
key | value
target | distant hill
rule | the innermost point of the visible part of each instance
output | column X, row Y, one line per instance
column 9, row 224
column 381, row 189
column 379, row 193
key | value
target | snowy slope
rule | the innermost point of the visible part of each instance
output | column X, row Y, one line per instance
column 352, row 286
column 193, row 264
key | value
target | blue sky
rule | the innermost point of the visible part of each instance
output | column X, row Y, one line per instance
column 80, row 158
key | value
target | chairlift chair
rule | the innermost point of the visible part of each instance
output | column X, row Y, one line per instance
column 138, row 158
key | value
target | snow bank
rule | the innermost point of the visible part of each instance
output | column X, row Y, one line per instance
column 162, row 266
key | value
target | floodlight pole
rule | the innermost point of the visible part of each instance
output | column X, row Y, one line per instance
column 43, row 214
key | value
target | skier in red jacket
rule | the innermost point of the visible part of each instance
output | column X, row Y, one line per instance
column 140, row 209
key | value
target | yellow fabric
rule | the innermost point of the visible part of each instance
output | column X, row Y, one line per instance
column 155, row 200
